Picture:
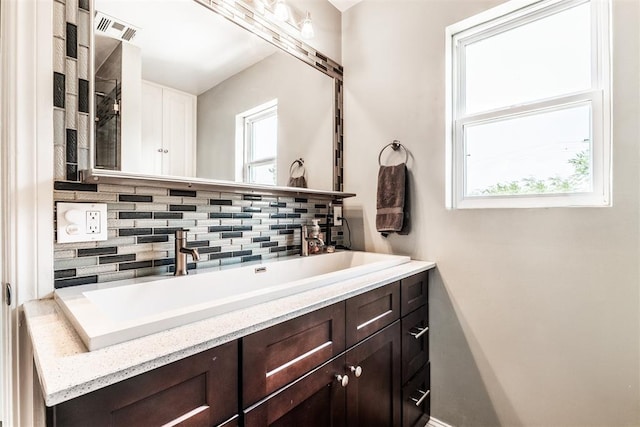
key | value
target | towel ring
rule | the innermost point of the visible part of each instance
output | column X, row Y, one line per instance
column 395, row 145
column 300, row 163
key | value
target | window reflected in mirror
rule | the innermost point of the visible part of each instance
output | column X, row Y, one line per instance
column 259, row 143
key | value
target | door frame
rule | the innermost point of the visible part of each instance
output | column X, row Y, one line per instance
column 26, row 193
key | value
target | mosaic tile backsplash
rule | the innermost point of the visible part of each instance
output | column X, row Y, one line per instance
column 227, row 228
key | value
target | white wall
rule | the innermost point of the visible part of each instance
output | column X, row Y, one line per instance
column 534, row 312
column 305, row 119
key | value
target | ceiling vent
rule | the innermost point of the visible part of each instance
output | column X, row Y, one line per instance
column 114, row 27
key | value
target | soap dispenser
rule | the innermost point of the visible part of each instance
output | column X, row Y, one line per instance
column 315, row 238
column 315, row 229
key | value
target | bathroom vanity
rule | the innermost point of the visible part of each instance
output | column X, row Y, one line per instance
column 355, row 352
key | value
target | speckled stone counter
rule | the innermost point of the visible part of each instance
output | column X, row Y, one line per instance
column 67, row 369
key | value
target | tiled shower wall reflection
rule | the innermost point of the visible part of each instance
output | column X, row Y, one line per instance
column 226, row 228
column 71, row 59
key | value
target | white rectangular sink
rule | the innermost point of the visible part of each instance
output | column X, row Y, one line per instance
column 111, row 313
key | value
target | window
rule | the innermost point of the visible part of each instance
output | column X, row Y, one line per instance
column 259, row 144
column 528, row 113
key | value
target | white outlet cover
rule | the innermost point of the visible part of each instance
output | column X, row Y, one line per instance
column 71, row 222
column 337, row 215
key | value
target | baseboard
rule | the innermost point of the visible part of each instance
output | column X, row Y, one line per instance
column 434, row 422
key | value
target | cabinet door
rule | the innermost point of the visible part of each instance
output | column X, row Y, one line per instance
column 416, row 399
column 369, row 312
column 374, row 398
column 276, row 356
column 150, row 155
column 414, row 290
column 178, row 133
column 315, row 400
column 415, row 342
column 200, row 390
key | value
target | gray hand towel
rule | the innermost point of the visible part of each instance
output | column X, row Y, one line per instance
column 391, row 198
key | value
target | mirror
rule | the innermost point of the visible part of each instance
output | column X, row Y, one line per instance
column 182, row 91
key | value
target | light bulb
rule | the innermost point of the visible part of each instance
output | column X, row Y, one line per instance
column 306, row 28
column 281, row 11
column 260, row 6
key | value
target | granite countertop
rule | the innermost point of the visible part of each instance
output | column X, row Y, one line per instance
column 66, row 368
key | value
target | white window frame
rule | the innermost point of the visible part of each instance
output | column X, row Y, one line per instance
column 244, row 144
column 510, row 15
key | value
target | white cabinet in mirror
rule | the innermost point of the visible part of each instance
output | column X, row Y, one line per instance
column 173, row 84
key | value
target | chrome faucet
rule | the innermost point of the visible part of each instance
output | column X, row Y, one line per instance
column 307, row 241
column 181, row 253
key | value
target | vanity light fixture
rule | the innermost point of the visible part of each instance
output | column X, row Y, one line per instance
column 281, row 10
column 306, row 27
column 260, row 6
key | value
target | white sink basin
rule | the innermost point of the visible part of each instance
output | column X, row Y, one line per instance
column 111, row 313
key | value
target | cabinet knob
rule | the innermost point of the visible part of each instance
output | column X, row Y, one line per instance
column 420, row 332
column 356, row 370
column 343, row 380
column 419, row 400
column 165, row 151
column 159, row 150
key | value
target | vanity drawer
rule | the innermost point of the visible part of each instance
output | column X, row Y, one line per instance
column 414, row 290
column 415, row 342
column 315, row 400
column 416, row 399
column 282, row 353
column 200, row 390
column 370, row 312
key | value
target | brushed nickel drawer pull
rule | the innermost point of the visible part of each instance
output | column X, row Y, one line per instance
column 298, row 359
column 375, row 319
column 421, row 332
column 421, row 399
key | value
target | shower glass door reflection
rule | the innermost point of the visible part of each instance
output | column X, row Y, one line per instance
column 107, row 124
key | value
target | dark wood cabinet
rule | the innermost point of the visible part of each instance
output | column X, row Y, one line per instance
column 200, row 390
column 374, row 397
column 416, row 401
column 414, row 290
column 370, row 312
column 371, row 395
column 360, row 362
column 276, row 356
column 315, row 400
column 415, row 342
column 416, row 385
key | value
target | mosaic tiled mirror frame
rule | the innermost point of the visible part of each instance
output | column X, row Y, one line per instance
column 247, row 17
column 227, row 227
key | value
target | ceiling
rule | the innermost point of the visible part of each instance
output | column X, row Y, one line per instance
column 343, row 5
column 183, row 44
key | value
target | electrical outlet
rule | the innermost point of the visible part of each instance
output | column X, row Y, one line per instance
column 93, row 222
column 337, row 215
column 81, row 222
